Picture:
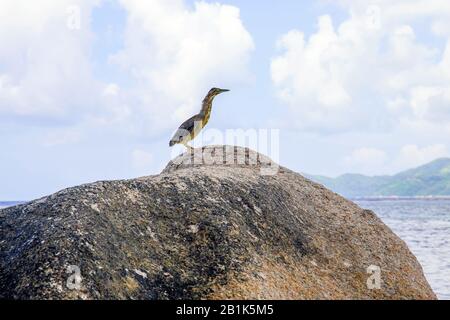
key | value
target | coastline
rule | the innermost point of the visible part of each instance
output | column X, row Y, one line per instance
column 400, row 198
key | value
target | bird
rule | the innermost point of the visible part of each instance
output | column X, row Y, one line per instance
column 189, row 129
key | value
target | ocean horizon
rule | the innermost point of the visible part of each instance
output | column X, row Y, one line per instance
column 394, row 198
column 5, row 204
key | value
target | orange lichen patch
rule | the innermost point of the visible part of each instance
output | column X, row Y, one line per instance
column 278, row 280
column 307, row 280
column 131, row 284
column 124, row 287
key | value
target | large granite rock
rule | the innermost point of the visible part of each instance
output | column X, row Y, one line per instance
column 236, row 227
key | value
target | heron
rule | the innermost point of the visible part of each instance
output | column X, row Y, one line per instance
column 189, row 129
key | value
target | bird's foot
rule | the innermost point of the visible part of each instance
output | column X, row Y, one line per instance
column 189, row 149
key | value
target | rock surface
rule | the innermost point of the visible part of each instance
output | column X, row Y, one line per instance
column 203, row 231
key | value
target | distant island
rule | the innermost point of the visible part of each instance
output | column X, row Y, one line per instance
column 4, row 204
column 432, row 179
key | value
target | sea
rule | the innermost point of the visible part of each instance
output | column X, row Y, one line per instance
column 424, row 224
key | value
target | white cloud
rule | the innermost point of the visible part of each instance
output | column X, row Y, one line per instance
column 431, row 103
column 366, row 159
column 175, row 54
column 45, row 71
column 403, row 10
column 141, row 159
column 374, row 161
column 441, row 28
column 61, row 137
column 371, row 71
column 172, row 53
column 111, row 89
column 412, row 155
column 305, row 83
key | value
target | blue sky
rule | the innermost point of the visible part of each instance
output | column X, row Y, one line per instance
column 92, row 90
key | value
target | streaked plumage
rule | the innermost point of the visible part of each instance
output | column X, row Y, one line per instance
column 189, row 129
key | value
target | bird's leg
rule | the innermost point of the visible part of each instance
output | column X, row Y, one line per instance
column 188, row 147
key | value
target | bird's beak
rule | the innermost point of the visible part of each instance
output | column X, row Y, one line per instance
column 224, row 90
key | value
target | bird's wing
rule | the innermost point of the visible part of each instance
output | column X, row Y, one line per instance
column 185, row 129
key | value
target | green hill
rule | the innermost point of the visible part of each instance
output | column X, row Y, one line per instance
column 432, row 179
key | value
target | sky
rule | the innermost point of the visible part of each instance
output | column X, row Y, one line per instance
column 93, row 90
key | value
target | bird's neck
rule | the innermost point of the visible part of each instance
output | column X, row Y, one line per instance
column 207, row 106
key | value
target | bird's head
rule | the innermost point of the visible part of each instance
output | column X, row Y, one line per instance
column 216, row 91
